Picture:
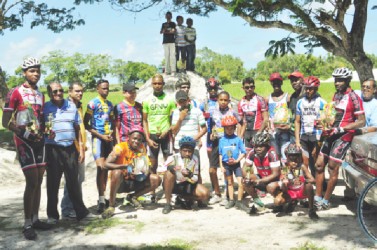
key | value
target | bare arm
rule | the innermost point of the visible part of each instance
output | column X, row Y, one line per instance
column 265, row 121
column 110, row 162
column 297, row 129
column 274, row 175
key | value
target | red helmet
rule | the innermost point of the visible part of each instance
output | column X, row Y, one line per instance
column 228, row 120
column 276, row 76
column 212, row 83
column 311, row 81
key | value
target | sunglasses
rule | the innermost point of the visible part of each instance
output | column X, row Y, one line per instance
column 249, row 87
column 57, row 91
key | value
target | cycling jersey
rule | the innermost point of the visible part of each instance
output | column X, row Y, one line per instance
column 102, row 114
column 264, row 166
column 252, row 111
column 128, row 116
column 217, row 115
column 309, row 112
column 348, row 106
column 19, row 98
column 158, row 109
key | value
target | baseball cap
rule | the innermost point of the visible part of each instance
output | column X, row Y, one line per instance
column 129, row 87
column 181, row 95
column 297, row 74
column 276, row 76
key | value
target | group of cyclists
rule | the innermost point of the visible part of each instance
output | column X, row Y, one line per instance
column 265, row 155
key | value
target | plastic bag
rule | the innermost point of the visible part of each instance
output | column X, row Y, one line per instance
column 327, row 116
column 282, row 114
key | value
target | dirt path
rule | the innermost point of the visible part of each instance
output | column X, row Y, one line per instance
column 214, row 227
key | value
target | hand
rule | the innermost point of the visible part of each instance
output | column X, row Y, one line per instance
column 335, row 131
column 183, row 114
column 22, row 132
column 163, row 134
column 232, row 161
column 106, row 138
column 223, row 169
column 213, row 136
column 82, row 154
column 152, row 143
column 318, row 124
column 51, row 135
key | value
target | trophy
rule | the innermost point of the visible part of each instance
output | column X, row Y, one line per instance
column 229, row 153
column 249, row 171
column 49, row 124
column 25, row 117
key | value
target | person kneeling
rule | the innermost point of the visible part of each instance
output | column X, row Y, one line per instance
column 181, row 176
column 295, row 182
column 130, row 171
column 264, row 157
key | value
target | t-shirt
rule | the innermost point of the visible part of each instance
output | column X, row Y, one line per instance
column 274, row 104
column 63, row 122
column 370, row 108
column 158, row 110
column 180, row 32
column 231, row 147
column 102, row 112
column 126, row 156
column 348, row 106
column 217, row 115
column 252, row 111
column 178, row 164
column 129, row 116
column 190, row 35
column 264, row 166
column 189, row 125
column 168, row 38
column 309, row 111
column 20, row 98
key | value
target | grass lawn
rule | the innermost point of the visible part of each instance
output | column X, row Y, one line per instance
column 264, row 89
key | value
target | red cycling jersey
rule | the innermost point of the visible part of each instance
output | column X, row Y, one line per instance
column 348, row 106
column 264, row 166
column 252, row 111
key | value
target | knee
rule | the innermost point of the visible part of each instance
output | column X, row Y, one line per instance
column 272, row 188
column 279, row 200
column 319, row 168
column 155, row 180
column 212, row 171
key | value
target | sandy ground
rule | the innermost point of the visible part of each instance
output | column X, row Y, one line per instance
column 213, row 227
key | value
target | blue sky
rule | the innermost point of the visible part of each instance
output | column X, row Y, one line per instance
column 136, row 37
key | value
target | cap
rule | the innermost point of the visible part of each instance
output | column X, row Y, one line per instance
column 129, row 87
column 181, row 95
column 297, row 74
column 276, row 76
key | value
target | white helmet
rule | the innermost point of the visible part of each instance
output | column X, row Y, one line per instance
column 30, row 62
column 342, row 73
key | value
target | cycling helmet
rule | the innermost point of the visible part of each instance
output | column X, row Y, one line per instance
column 212, row 83
column 187, row 141
column 182, row 81
column 292, row 149
column 311, row 81
column 342, row 73
column 30, row 62
column 276, row 76
column 136, row 129
column 261, row 139
column 228, row 120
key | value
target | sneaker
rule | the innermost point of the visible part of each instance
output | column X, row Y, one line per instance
column 253, row 210
column 215, row 199
column 224, row 202
column 52, row 221
column 277, row 209
column 108, row 213
column 326, row 206
column 261, row 194
column 313, row 215
column 167, row 208
column 89, row 217
column 41, row 225
column 258, row 202
column 290, row 207
column 133, row 200
column 318, row 205
column 29, row 233
column 230, row 204
column 100, row 207
column 70, row 216
column 202, row 204
column 241, row 206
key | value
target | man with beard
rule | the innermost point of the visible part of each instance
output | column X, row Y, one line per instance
column 349, row 117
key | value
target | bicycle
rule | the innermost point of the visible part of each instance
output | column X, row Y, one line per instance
column 367, row 209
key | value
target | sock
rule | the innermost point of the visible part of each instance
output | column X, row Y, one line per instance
column 27, row 222
column 101, row 199
column 35, row 217
column 317, row 198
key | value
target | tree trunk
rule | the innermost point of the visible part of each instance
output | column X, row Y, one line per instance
column 3, row 89
column 363, row 65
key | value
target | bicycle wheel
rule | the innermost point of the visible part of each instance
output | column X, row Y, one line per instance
column 367, row 209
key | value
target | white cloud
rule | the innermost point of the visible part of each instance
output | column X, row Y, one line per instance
column 150, row 52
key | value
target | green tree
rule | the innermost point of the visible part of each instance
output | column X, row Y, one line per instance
column 224, row 77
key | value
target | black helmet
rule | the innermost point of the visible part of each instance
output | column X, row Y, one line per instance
column 261, row 139
column 292, row 149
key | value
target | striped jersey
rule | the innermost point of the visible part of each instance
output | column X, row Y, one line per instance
column 128, row 117
column 180, row 36
column 252, row 111
column 63, row 122
column 309, row 112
